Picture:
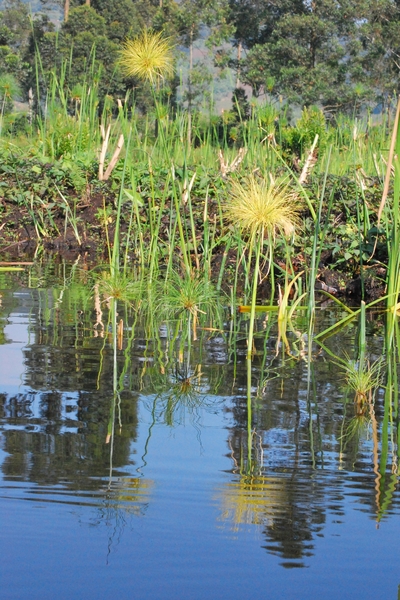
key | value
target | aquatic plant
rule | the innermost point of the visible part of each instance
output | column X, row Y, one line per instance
column 285, row 314
column 363, row 377
column 393, row 239
column 360, row 374
column 119, row 286
column 259, row 206
column 149, row 56
column 263, row 209
column 187, row 295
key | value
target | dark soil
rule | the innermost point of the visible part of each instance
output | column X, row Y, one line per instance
column 20, row 237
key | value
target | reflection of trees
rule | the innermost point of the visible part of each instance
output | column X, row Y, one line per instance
column 51, row 440
column 56, row 434
column 297, row 518
column 60, row 431
column 6, row 304
column 287, row 510
column 286, row 488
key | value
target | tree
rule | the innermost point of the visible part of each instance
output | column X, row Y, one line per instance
column 85, row 51
column 15, row 18
column 306, row 48
column 377, row 51
column 123, row 18
column 15, row 34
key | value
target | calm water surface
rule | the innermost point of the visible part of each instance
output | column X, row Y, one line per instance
column 167, row 490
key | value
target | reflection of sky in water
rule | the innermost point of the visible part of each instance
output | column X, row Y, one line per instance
column 11, row 353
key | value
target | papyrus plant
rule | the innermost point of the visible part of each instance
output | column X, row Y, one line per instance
column 148, row 57
column 262, row 209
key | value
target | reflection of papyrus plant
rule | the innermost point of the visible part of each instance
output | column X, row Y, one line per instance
column 252, row 500
column 186, row 395
column 148, row 57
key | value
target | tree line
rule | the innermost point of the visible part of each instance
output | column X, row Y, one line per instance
column 342, row 55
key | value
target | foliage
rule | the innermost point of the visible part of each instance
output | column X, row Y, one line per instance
column 299, row 139
column 65, row 136
column 119, row 287
column 187, row 294
column 9, row 90
column 363, row 378
column 122, row 18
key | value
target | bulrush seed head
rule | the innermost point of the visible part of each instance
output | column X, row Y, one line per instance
column 148, row 57
column 262, row 207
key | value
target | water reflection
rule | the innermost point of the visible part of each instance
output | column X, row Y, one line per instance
column 274, row 492
column 71, row 431
column 293, row 432
column 53, row 438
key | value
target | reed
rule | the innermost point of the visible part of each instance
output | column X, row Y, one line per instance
column 393, row 271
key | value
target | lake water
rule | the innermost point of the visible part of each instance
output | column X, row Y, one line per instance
column 168, row 489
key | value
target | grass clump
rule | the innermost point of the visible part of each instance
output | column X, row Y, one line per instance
column 187, row 294
column 119, row 287
column 188, row 297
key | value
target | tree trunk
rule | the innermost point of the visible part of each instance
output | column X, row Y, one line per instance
column 238, row 56
column 189, row 131
column 66, row 10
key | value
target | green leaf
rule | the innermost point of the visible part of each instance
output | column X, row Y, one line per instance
column 133, row 197
column 11, row 269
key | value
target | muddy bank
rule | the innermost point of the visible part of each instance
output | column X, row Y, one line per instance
column 43, row 213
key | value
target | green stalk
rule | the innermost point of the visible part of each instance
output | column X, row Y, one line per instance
column 254, row 295
column 393, row 286
column 223, row 263
column 316, row 253
column 192, row 225
column 154, row 250
column 135, row 199
column 114, row 266
column 362, row 339
column 207, row 250
column 249, row 419
column 302, row 190
column 183, row 242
